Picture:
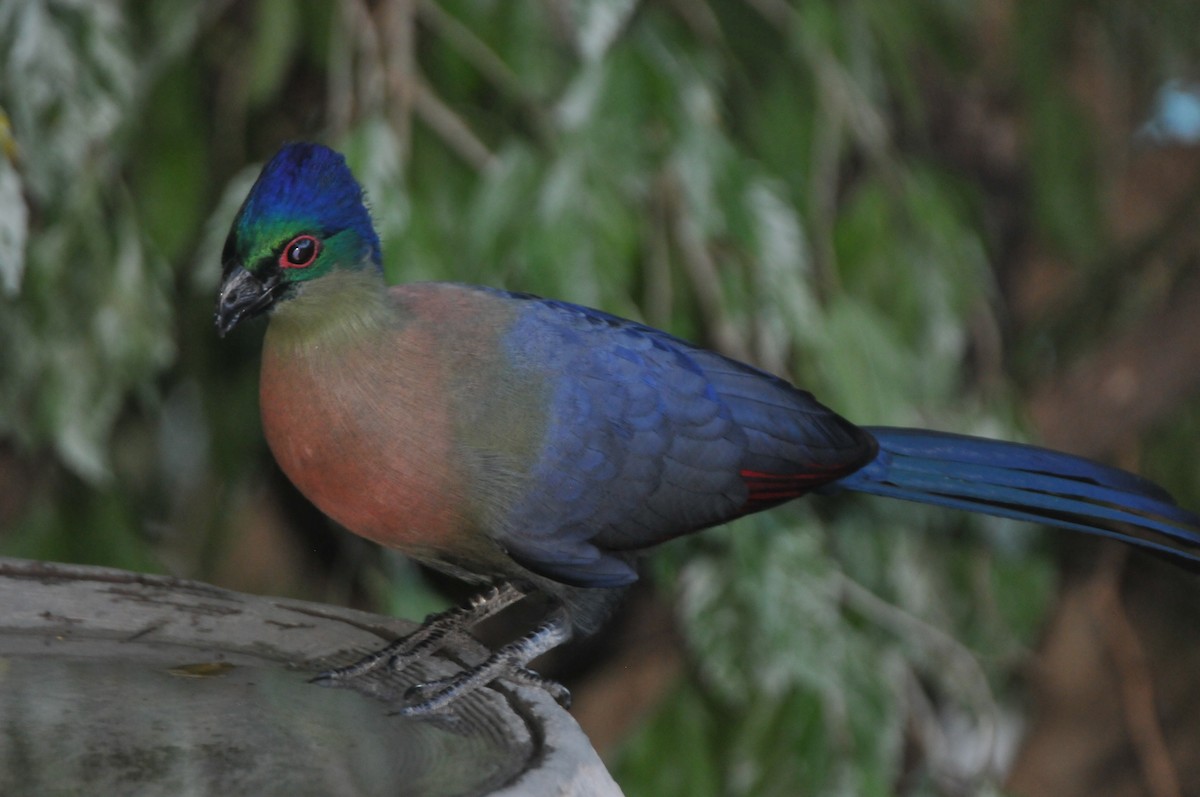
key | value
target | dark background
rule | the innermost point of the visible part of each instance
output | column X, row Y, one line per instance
column 972, row 216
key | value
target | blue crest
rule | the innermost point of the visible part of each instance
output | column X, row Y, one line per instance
column 312, row 183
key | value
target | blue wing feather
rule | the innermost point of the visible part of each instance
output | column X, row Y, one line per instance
column 676, row 428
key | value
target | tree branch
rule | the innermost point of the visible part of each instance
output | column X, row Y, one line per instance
column 1133, row 677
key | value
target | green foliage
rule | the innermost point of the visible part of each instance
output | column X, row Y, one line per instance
column 89, row 328
column 755, row 175
column 14, row 224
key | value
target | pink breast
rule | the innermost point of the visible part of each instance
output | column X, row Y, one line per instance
column 369, row 445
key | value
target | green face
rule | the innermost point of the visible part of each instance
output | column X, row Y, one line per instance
column 282, row 251
column 261, row 264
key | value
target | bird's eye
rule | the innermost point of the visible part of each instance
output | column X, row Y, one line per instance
column 300, row 252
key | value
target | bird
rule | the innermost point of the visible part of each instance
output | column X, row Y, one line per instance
column 536, row 447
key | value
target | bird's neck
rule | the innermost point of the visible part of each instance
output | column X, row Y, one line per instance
column 340, row 307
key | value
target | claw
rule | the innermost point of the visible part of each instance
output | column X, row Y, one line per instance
column 418, row 692
column 510, row 661
column 560, row 693
column 428, row 639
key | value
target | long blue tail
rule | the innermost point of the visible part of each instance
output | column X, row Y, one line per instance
column 1027, row 483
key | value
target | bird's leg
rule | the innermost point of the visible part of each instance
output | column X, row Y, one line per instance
column 428, row 638
column 510, row 661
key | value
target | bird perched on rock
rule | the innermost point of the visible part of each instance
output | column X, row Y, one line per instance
column 538, row 446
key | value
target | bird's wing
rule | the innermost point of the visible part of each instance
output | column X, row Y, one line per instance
column 648, row 438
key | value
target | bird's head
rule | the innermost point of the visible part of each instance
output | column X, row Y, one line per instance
column 304, row 218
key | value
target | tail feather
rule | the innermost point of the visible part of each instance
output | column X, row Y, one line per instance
column 948, row 447
column 1027, row 483
column 1047, row 491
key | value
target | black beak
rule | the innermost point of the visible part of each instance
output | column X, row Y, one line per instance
column 243, row 295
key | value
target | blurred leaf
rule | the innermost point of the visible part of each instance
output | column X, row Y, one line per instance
column 273, row 48
column 14, row 227
column 1066, row 194
column 65, row 80
column 172, row 192
column 598, row 23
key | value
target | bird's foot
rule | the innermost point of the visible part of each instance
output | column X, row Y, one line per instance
column 560, row 693
column 510, row 661
column 427, row 639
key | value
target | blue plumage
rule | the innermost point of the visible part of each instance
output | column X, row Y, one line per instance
column 1025, row 483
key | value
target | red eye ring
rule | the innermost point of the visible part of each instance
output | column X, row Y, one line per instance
column 300, row 252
